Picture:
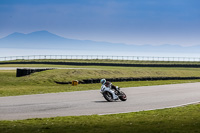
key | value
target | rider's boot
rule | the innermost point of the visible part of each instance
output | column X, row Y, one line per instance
column 115, row 97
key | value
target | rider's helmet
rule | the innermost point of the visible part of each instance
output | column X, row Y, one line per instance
column 103, row 81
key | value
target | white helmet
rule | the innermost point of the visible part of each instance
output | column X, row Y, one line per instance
column 103, row 81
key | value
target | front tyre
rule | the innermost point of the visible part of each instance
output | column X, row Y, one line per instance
column 108, row 96
column 122, row 96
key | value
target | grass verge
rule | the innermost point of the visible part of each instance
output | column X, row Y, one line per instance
column 173, row 120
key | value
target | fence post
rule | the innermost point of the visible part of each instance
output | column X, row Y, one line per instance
column 106, row 57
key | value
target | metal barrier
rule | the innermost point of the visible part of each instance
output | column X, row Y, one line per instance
column 27, row 71
column 100, row 57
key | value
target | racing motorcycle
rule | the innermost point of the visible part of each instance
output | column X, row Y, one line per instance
column 109, row 96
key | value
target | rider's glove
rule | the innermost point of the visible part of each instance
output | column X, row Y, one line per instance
column 117, row 88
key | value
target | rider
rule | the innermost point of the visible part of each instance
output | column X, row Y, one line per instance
column 108, row 85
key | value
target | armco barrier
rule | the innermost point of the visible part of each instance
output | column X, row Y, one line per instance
column 27, row 71
column 102, row 57
column 91, row 81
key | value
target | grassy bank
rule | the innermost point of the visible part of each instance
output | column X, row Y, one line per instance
column 174, row 120
column 100, row 72
column 44, row 82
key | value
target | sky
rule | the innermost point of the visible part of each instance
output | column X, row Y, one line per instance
column 139, row 22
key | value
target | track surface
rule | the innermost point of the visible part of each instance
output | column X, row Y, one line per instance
column 14, row 68
column 92, row 102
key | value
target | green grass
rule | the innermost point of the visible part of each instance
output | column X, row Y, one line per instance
column 44, row 82
column 173, row 120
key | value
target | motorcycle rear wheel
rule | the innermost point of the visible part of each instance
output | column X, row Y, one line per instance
column 122, row 96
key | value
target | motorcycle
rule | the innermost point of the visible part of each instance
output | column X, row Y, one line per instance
column 109, row 97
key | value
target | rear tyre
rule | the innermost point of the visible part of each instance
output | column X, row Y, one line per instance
column 122, row 96
column 108, row 96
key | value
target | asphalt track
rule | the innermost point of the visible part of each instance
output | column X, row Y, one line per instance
column 14, row 68
column 92, row 102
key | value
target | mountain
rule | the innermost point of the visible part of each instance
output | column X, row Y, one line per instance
column 47, row 40
column 39, row 39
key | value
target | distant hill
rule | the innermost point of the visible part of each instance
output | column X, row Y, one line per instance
column 47, row 40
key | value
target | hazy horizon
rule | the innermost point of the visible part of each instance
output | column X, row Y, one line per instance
column 43, row 43
column 4, row 52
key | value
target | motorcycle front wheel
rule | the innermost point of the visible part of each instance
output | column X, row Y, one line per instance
column 108, row 96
